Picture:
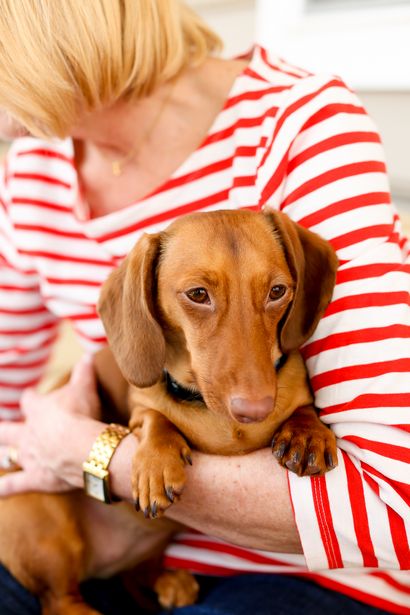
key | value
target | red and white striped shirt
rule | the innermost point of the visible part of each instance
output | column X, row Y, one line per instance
column 301, row 143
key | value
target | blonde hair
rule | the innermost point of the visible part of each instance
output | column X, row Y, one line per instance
column 60, row 58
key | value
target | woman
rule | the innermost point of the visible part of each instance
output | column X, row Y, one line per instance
column 134, row 121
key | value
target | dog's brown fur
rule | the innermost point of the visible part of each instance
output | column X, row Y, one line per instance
column 225, row 348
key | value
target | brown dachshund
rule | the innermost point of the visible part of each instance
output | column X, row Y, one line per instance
column 204, row 321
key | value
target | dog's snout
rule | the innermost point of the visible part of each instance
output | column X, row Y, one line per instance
column 251, row 411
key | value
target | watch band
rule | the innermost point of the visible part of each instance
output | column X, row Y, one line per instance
column 95, row 468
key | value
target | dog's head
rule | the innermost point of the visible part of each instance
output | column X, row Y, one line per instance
column 216, row 299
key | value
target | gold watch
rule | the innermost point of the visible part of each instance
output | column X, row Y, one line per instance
column 95, row 468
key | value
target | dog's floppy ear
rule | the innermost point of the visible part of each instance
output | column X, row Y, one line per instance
column 126, row 307
column 313, row 264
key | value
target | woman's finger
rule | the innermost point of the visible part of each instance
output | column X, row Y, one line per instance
column 28, row 400
column 83, row 374
column 17, row 482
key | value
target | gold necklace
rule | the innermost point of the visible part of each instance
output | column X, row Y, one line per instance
column 117, row 165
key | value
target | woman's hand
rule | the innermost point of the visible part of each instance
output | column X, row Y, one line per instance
column 53, row 436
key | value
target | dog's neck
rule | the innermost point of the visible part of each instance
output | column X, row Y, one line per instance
column 181, row 393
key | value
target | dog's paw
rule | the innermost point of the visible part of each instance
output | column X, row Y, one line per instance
column 304, row 445
column 158, row 475
column 176, row 589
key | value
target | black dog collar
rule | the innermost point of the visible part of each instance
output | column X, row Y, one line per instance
column 182, row 394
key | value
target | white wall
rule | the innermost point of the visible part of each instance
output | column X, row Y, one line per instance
column 233, row 20
column 368, row 45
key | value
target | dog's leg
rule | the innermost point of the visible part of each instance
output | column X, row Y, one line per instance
column 304, row 445
column 158, row 475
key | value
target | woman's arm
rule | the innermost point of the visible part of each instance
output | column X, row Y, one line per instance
column 244, row 500
column 325, row 168
column 239, row 499
column 27, row 328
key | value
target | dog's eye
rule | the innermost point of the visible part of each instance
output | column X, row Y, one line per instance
column 198, row 295
column 277, row 291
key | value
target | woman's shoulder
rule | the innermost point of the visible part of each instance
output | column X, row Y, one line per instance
column 284, row 87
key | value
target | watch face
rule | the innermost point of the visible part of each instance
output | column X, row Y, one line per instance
column 94, row 486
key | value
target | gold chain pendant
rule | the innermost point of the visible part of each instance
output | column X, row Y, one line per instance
column 116, row 168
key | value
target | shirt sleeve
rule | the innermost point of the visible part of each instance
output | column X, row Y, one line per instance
column 325, row 168
column 27, row 328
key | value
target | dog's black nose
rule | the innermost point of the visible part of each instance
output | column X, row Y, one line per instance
column 250, row 410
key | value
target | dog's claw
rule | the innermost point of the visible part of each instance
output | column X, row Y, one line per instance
column 154, row 510
column 188, row 459
column 280, row 451
column 313, row 468
column 137, row 505
column 329, row 459
column 146, row 512
column 170, row 493
column 292, row 464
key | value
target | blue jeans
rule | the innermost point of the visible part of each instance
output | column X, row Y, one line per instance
column 256, row 594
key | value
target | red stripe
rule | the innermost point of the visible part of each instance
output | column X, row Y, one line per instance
column 40, row 203
column 96, row 340
column 357, row 372
column 230, row 549
column 47, row 179
column 66, row 258
column 45, row 153
column 402, row 489
column 23, row 332
column 254, row 75
column 73, row 281
column 400, row 542
column 209, row 169
column 254, row 95
column 367, row 300
column 333, row 175
column 20, row 385
column 49, row 230
column 199, row 567
column 385, row 449
column 26, row 351
column 376, row 231
column 10, row 405
column 340, row 207
column 331, row 143
column 24, row 289
column 24, row 312
column 362, row 336
column 28, row 365
column 244, row 181
column 89, row 316
column 384, row 576
column 373, row 270
column 213, row 199
column 330, row 111
column 371, row 400
column 325, row 522
column 247, row 122
column 359, row 514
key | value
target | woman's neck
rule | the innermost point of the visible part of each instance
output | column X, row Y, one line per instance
column 151, row 137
